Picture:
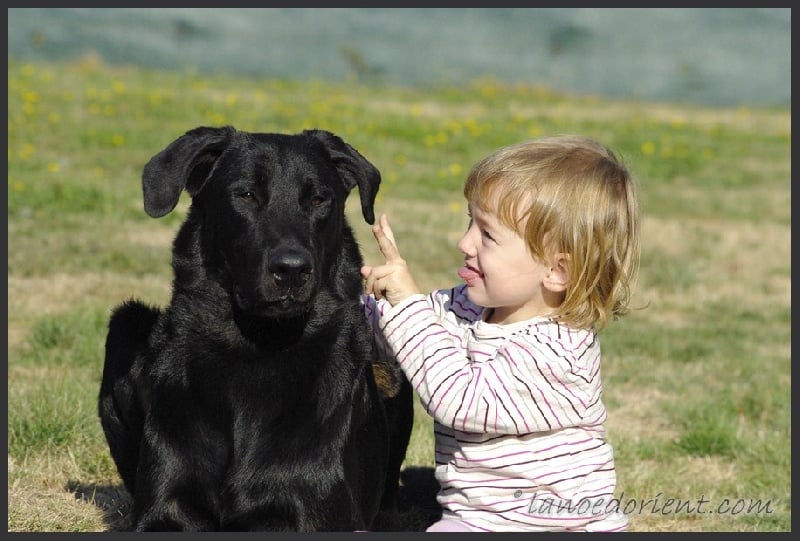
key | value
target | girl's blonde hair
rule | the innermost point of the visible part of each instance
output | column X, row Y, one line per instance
column 568, row 194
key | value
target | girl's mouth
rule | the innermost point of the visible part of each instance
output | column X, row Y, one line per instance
column 469, row 274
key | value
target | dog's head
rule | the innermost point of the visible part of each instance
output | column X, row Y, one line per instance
column 269, row 209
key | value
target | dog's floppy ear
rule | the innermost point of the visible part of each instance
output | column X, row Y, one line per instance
column 354, row 169
column 185, row 163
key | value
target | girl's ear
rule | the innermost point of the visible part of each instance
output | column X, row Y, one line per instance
column 557, row 277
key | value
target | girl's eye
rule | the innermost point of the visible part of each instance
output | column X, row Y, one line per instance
column 487, row 234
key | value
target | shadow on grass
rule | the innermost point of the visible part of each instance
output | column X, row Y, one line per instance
column 113, row 500
column 416, row 503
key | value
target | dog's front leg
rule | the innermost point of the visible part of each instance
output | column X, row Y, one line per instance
column 180, row 469
column 172, row 518
column 173, row 500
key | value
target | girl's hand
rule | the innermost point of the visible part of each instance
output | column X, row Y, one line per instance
column 391, row 281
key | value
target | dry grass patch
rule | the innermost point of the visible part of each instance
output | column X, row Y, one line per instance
column 713, row 261
column 31, row 298
column 694, row 494
column 638, row 414
column 157, row 238
column 43, row 496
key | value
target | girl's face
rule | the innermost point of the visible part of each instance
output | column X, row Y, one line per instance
column 500, row 272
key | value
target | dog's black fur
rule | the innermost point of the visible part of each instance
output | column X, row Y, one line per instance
column 250, row 401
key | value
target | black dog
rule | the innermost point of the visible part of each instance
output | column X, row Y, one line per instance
column 256, row 400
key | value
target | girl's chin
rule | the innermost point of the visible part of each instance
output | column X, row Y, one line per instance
column 476, row 295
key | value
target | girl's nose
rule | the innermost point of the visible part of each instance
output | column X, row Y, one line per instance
column 465, row 245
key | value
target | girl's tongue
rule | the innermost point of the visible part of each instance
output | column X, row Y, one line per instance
column 468, row 274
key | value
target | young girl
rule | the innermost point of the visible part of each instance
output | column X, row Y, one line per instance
column 508, row 363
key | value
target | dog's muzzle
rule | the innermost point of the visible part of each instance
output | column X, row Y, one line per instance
column 289, row 268
column 287, row 284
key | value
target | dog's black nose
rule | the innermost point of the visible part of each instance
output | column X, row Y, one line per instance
column 289, row 268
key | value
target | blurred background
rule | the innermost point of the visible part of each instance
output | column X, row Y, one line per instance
column 709, row 56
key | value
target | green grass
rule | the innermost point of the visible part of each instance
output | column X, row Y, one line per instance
column 697, row 381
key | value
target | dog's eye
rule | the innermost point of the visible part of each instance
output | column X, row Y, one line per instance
column 317, row 200
column 250, row 197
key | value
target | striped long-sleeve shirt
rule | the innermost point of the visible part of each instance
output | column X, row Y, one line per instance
column 517, row 410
